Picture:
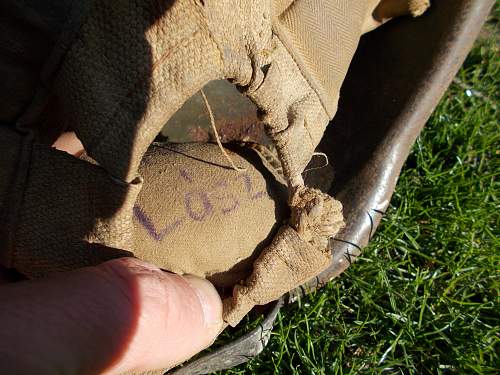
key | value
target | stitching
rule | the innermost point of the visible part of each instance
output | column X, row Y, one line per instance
column 203, row 17
column 278, row 34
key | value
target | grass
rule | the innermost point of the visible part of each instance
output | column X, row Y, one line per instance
column 424, row 298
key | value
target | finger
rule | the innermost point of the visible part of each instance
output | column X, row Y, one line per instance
column 70, row 143
column 124, row 315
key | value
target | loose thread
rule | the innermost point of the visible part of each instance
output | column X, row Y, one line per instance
column 214, row 128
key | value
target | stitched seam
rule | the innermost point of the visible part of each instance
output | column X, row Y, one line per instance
column 211, row 36
column 276, row 32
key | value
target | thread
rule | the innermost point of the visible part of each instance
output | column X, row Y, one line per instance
column 214, row 128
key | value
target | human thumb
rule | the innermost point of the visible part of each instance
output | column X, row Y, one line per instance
column 123, row 315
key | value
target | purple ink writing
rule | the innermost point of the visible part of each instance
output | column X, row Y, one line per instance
column 148, row 224
column 185, row 175
column 248, row 185
column 199, row 204
column 221, row 187
column 206, row 208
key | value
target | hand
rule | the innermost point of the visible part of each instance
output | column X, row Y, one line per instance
column 123, row 315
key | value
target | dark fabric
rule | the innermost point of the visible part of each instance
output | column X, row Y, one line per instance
column 29, row 30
